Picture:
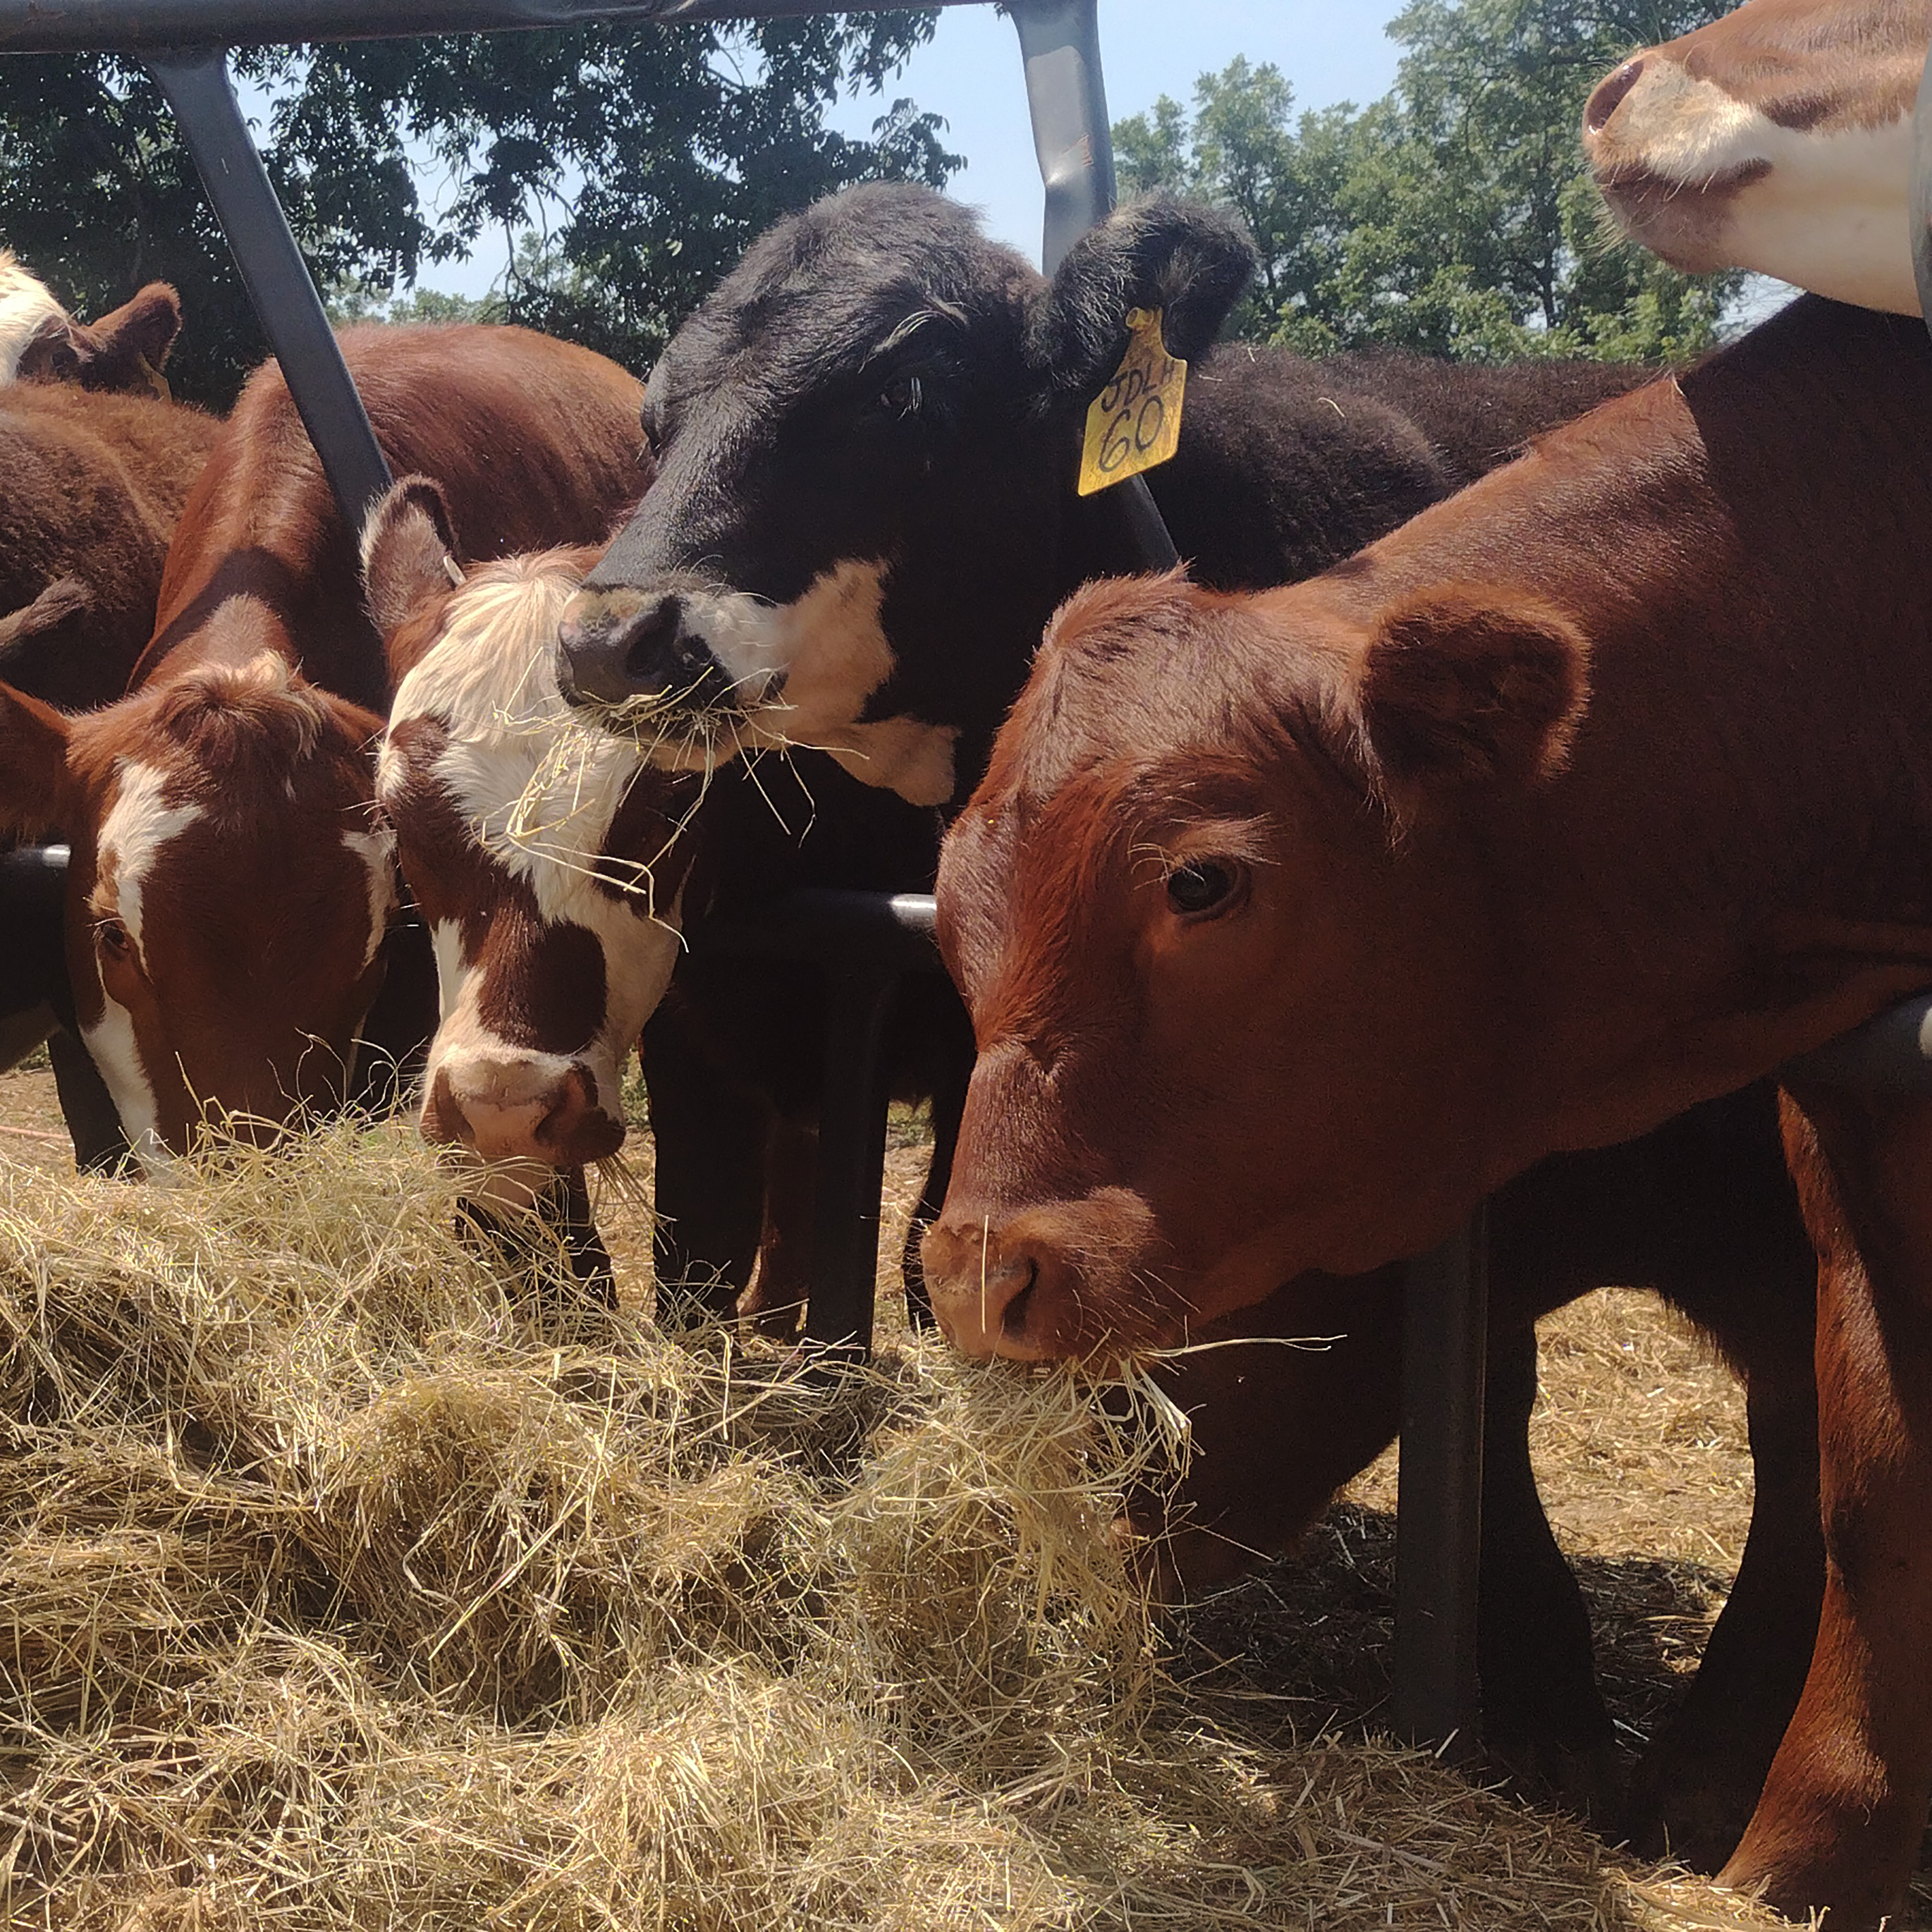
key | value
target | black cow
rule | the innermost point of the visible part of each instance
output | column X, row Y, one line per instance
column 867, row 441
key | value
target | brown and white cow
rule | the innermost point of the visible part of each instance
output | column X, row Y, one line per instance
column 126, row 349
column 543, row 853
column 229, row 886
column 1294, row 924
column 1779, row 138
column 91, row 488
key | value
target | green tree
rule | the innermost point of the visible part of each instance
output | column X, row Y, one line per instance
column 629, row 165
column 1455, row 215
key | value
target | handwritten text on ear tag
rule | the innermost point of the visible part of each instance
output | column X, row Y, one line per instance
column 1135, row 421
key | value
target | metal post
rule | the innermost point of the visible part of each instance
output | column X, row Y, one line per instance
column 1060, row 42
column 1440, row 1499
column 197, row 85
column 1921, row 194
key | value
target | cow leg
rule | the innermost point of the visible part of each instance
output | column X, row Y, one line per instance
column 1843, row 1807
column 1543, row 1716
column 1693, row 1793
column 394, row 1039
column 99, row 1146
column 775, row 1302
column 949, row 1106
column 708, row 1132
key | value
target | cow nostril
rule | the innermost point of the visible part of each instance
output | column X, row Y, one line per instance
column 1610, row 93
column 651, row 635
column 1013, row 1316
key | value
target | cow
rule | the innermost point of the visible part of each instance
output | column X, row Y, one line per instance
column 868, row 437
column 230, row 892
column 95, row 485
column 126, row 350
column 544, row 855
column 1778, row 138
column 1293, row 924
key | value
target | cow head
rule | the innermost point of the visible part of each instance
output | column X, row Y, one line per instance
column 227, row 894
column 127, row 350
column 1778, row 138
column 1219, row 913
column 544, row 854
column 867, row 439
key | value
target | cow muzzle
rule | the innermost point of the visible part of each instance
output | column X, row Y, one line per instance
column 1066, row 1280
column 520, row 1109
column 629, row 649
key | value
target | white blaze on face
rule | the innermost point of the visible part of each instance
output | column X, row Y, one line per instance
column 1828, row 211
column 541, row 788
column 133, row 837
column 140, row 825
column 803, row 672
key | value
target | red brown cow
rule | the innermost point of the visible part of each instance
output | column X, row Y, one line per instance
column 1778, row 138
column 229, row 888
column 127, row 350
column 1293, row 925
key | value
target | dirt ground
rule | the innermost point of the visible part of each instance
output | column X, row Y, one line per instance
column 1638, row 1442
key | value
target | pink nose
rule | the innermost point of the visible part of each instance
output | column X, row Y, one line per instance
column 984, row 1284
column 512, row 1108
column 1609, row 94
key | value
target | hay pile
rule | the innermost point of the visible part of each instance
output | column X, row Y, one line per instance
column 343, row 1584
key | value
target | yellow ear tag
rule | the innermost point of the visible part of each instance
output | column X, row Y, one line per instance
column 1135, row 422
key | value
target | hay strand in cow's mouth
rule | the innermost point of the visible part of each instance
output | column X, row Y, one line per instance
column 344, row 1587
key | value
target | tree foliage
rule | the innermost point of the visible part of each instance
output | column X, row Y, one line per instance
column 1455, row 215
column 628, row 166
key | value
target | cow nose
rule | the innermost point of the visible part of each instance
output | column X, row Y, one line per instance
column 517, row 1108
column 1609, row 93
column 984, row 1283
column 611, row 652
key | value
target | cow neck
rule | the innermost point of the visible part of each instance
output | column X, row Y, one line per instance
column 1736, row 865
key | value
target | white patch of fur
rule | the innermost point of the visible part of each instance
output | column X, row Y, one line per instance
column 111, row 1043
column 136, row 830
column 803, row 672
column 25, row 307
column 1830, row 215
column 377, row 851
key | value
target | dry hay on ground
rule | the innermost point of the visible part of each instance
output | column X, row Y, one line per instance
column 345, row 1588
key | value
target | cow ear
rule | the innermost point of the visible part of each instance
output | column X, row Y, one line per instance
column 1193, row 263
column 36, row 792
column 409, row 552
column 137, row 337
column 1465, row 684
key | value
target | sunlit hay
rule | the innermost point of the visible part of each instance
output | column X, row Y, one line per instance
column 336, row 1593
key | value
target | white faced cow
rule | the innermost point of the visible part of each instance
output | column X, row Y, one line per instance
column 542, row 852
column 1779, row 138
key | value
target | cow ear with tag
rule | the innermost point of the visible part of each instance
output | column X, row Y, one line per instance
column 1467, row 685
column 36, row 791
column 1191, row 263
column 409, row 556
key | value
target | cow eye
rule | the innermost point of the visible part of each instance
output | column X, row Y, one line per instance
column 900, row 397
column 1204, row 888
column 112, row 938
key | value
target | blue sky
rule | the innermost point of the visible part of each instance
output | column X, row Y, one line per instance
column 1330, row 50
